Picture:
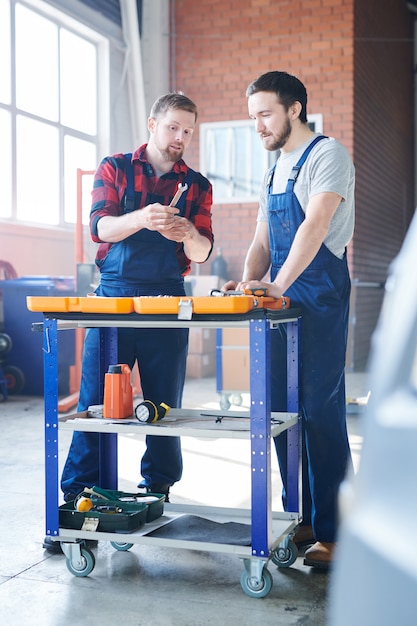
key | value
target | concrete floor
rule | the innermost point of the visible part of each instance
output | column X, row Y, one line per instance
column 147, row 585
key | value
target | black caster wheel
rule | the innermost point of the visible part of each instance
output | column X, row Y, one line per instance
column 15, row 379
column 256, row 588
column 84, row 565
column 285, row 557
column 224, row 402
column 5, row 343
column 121, row 547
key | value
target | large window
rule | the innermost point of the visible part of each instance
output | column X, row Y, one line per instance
column 234, row 160
column 48, row 111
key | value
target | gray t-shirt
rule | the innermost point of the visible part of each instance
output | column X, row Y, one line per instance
column 328, row 168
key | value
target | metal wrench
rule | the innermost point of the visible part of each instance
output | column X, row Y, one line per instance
column 180, row 190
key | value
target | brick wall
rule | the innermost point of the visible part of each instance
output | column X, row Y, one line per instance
column 355, row 58
column 384, row 151
column 222, row 45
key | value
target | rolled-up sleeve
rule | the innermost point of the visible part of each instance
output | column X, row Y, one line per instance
column 105, row 198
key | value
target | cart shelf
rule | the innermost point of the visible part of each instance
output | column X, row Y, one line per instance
column 282, row 524
column 212, row 424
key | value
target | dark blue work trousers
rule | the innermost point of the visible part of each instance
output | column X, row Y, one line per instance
column 322, row 293
column 161, row 355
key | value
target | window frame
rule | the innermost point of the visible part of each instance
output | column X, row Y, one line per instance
column 315, row 121
column 99, row 139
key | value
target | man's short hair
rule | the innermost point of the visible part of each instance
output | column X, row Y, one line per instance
column 288, row 88
column 173, row 101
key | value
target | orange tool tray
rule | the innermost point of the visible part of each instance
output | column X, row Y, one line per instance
column 151, row 305
column 207, row 304
column 70, row 304
column 200, row 304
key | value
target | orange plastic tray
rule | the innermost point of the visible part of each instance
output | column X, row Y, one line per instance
column 154, row 305
column 201, row 305
column 224, row 304
column 95, row 304
column 44, row 303
column 149, row 305
column 100, row 304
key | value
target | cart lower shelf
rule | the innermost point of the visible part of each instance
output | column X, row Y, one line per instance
column 195, row 528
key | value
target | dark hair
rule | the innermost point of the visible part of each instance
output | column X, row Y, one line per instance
column 173, row 101
column 288, row 88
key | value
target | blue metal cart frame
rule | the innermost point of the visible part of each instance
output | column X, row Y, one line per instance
column 256, row 581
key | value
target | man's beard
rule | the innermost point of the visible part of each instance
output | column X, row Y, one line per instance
column 282, row 138
column 171, row 155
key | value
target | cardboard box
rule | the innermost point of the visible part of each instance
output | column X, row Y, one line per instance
column 235, row 359
column 235, row 337
column 235, row 369
column 202, row 340
column 201, row 365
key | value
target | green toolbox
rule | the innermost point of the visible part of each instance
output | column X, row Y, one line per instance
column 106, row 510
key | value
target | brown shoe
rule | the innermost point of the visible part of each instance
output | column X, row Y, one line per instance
column 304, row 536
column 320, row 554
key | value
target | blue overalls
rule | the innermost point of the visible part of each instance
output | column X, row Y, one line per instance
column 144, row 264
column 322, row 293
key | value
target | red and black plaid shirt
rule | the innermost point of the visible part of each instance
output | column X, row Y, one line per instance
column 110, row 188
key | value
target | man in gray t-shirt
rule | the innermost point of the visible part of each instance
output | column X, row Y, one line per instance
column 329, row 169
column 305, row 221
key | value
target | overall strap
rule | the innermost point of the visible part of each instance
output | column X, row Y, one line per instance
column 129, row 199
column 296, row 169
column 129, row 203
column 189, row 178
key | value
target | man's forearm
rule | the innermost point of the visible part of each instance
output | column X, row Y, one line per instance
column 304, row 248
column 257, row 263
column 197, row 247
column 113, row 229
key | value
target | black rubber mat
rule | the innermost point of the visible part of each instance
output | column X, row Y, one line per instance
column 194, row 528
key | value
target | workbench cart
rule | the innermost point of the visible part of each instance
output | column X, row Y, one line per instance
column 270, row 532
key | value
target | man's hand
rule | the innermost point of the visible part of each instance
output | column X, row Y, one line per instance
column 159, row 218
column 272, row 289
column 179, row 230
column 231, row 285
column 156, row 217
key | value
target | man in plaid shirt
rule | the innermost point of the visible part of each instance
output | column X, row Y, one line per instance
column 145, row 249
